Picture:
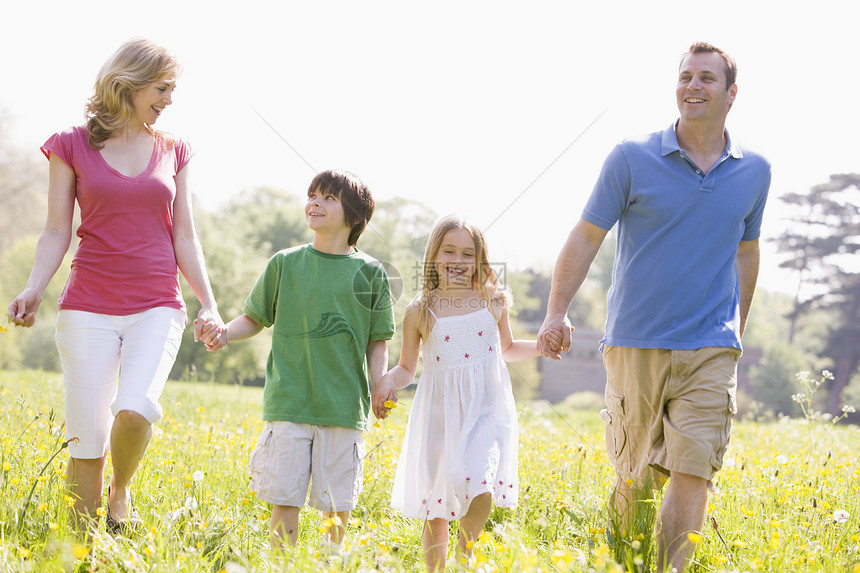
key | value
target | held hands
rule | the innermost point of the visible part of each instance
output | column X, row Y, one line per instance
column 23, row 309
column 210, row 330
column 384, row 392
column 554, row 337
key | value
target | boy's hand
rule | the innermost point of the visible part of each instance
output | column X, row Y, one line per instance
column 384, row 397
column 211, row 332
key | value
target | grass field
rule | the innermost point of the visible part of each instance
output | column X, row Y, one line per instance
column 789, row 497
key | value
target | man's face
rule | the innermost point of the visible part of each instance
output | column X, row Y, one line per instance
column 701, row 92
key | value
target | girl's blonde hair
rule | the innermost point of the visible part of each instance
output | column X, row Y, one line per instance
column 135, row 65
column 484, row 279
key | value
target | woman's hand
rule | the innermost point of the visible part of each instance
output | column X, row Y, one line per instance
column 23, row 309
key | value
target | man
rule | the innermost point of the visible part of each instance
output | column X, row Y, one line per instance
column 688, row 202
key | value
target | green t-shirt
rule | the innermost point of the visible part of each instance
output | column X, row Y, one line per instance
column 324, row 309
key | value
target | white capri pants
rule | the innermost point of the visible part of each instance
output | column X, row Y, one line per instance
column 114, row 363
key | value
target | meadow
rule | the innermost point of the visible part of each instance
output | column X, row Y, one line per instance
column 788, row 496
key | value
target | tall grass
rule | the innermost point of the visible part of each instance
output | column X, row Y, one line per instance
column 788, row 496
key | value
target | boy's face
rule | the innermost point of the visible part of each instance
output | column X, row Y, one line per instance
column 324, row 213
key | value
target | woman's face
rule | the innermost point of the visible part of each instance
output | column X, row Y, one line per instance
column 149, row 102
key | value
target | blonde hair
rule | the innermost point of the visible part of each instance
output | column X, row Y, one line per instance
column 135, row 65
column 484, row 279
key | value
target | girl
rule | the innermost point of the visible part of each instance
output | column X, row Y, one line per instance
column 460, row 449
column 121, row 314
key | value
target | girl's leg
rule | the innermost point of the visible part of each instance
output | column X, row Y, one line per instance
column 129, row 437
column 472, row 524
column 84, row 480
column 435, row 542
column 284, row 528
column 337, row 530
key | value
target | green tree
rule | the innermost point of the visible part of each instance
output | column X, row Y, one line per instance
column 821, row 244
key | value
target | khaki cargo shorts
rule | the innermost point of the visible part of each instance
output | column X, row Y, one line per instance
column 670, row 410
column 290, row 456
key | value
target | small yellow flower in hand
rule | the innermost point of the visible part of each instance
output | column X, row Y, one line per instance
column 389, row 404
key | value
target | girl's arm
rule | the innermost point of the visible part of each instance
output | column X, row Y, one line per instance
column 53, row 242
column 189, row 256
column 401, row 375
column 514, row 350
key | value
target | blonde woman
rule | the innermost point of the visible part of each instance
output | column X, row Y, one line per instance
column 121, row 314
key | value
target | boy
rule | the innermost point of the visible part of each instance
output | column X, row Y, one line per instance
column 330, row 308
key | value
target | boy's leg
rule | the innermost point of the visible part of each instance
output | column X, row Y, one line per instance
column 472, row 524
column 284, row 527
column 434, row 539
column 336, row 531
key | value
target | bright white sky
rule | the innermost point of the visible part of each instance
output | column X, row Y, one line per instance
column 463, row 106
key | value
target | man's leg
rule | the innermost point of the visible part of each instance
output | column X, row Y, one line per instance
column 627, row 509
column 682, row 512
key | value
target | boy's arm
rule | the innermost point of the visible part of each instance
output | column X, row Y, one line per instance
column 377, row 364
column 377, row 361
column 240, row 328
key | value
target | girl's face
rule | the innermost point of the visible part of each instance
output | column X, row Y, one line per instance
column 455, row 260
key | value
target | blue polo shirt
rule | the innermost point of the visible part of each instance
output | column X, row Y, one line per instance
column 674, row 283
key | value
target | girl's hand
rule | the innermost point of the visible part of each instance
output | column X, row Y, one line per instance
column 554, row 337
column 23, row 309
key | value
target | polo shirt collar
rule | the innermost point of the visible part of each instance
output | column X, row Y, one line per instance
column 669, row 143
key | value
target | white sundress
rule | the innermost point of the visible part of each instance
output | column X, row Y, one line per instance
column 461, row 437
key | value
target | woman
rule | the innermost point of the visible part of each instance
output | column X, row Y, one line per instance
column 121, row 313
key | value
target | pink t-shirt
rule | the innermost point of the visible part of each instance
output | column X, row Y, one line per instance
column 124, row 263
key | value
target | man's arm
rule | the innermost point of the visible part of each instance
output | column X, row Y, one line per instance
column 570, row 271
column 747, row 264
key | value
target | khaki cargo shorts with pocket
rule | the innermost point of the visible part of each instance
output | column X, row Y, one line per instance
column 671, row 410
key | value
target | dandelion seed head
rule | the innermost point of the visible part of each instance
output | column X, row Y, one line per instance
column 198, row 476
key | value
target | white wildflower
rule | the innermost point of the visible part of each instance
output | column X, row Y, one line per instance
column 840, row 516
column 198, row 476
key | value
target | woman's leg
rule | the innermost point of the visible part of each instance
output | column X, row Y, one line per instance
column 129, row 436
column 435, row 542
column 84, row 480
column 150, row 342
column 472, row 524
